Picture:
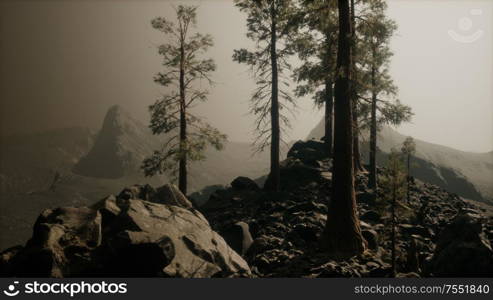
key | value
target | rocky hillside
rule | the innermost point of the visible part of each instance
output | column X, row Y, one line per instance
column 439, row 233
column 255, row 233
column 468, row 174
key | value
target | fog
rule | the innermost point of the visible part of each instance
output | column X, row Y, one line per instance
column 63, row 63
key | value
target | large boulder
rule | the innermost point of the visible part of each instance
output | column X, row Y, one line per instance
column 295, row 173
column 244, row 183
column 198, row 250
column 308, row 152
column 125, row 237
column 62, row 244
column 463, row 250
column 170, row 194
column 167, row 194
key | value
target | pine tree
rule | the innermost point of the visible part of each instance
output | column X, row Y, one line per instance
column 269, row 25
column 393, row 185
column 185, row 74
column 342, row 234
column 376, row 87
column 316, row 46
column 358, row 166
column 408, row 149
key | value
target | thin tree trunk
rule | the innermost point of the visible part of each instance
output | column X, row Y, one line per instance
column 275, row 137
column 342, row 235
column 329, row 96
column 358, row 167
column 182, row 176
column 393, row 227
column 408, row 177
column 373, row 138
column 329, row 107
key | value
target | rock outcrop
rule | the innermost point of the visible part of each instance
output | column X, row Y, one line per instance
column 161, row 235
column 463, row 249
column 286, row 227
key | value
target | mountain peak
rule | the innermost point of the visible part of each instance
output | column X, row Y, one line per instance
column 122, row 144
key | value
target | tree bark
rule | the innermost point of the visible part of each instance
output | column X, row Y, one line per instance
column 358, row 167
column 329, row 96
column 394, row 196
column 182, row 172
column 329, row 107
column 373, row 138
column 408, row 177
column 275, row 136
column 342, row 235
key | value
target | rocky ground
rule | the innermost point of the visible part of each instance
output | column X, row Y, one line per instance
column 245, row 231
column 439, row 233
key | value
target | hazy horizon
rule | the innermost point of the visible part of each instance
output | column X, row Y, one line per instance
column 64, row 64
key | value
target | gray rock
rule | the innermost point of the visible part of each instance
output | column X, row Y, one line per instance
column 462, row 250
column 371, row 216
column 136, row 239
column 198, row 250
column 61, row 245
column 170, row 194
column 244, row 183
column 238, row 237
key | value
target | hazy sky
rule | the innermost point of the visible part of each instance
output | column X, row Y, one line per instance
column 63, row 63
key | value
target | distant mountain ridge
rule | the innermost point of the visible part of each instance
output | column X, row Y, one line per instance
column 465, row 173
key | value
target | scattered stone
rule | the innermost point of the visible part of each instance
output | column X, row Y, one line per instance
column 371, row 216
column 463, row 250
column 238, row 237
column 371, row 237
column 244, row 183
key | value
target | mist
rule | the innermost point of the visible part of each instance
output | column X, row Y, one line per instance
column 64, row 63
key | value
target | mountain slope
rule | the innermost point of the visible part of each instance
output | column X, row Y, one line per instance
column 465, row 173
column 123, row 143
column 120, row 147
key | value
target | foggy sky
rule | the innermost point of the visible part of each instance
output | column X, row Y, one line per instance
column 64, row 63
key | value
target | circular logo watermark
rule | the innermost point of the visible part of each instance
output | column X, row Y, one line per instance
column 465, row 25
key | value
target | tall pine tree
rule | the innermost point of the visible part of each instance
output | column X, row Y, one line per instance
column 269, row 25
column 342, row 235
column 316, row 46
column 186, row 74
column 376, row 90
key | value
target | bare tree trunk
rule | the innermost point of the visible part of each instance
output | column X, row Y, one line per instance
column 329, row 96
column 182, row 176
column 342, row 235
column 408, row 177
column 358, row 167
column 373, row 138
column 275, row 137
column 329, row 107
column 394, row 188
